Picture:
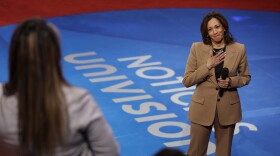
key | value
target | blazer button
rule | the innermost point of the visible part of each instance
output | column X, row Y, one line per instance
column 218, row 100
column 217, row 89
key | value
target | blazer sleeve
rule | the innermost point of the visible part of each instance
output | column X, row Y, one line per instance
column 243, row 76
column 195, row 72
column 97, row 131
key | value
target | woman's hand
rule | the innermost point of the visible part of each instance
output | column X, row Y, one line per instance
column 213, row 61
column 224, row 83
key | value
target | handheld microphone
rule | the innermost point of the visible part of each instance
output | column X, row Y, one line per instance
column 224, row 74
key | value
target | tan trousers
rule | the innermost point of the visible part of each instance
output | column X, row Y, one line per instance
column 200, row 137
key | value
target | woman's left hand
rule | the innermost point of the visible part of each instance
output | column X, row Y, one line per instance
column 224, row 83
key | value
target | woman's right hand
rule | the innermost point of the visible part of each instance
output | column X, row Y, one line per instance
column 213, row 61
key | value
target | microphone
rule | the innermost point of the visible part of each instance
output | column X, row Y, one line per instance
column 224, row 74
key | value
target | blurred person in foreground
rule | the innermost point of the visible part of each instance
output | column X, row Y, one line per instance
column 40, row 113
column 169, row 152
column 217, row 66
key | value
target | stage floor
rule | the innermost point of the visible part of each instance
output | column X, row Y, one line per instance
column 144, row 53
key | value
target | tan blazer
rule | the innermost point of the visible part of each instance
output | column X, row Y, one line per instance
column 205, row 100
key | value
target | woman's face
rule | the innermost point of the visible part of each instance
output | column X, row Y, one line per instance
column 215, row 30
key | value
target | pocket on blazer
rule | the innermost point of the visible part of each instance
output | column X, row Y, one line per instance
column 234, row 98
column 234, row 101
column 198, row 100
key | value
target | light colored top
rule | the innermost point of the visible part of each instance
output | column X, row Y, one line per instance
column 86, row 121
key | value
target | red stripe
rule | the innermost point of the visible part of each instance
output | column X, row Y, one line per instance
column 12, row 11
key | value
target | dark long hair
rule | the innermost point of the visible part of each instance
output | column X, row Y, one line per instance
column 35, row 77
column 204, row 30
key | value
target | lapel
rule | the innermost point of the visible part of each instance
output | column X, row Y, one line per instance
column 207, row 52
column 229, row 60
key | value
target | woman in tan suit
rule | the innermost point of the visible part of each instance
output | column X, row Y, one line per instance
column 215, row 101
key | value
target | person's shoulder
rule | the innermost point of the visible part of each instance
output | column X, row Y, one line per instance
column 74, row 93
column 1, row 88
column 74, row 89
column 198, row 44
column 237, row 45
column 238, row 48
